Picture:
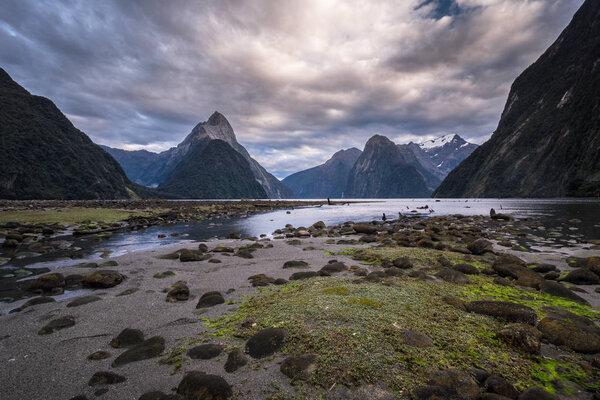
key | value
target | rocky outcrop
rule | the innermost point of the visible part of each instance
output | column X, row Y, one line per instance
column 547, row 141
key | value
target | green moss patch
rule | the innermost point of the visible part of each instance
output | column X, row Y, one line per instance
column 355, row 329
column 483, row 287
column 72, row 215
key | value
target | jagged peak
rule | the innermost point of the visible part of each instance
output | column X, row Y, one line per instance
column 217, row 119
column 7, row 84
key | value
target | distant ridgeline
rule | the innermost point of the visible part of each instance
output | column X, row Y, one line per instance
column 44, row 156
column 228, row 170
column 383, row 170
column 547, row 143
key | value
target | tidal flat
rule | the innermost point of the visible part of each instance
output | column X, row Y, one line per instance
column 451, row 306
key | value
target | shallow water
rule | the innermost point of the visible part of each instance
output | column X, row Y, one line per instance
column 554, row 214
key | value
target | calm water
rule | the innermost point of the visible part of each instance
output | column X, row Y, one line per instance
column 552, row 214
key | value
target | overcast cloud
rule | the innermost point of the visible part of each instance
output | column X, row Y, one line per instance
column 297, row 79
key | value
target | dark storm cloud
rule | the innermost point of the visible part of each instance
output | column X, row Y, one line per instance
column 297, row 79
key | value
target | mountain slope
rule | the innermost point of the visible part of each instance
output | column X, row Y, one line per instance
column 417, row 158
column 214, row 171
column 447, row 151
column 43, row 156
column 325, row 180
column 548, row 138
column 163, row 164
column 383, row 172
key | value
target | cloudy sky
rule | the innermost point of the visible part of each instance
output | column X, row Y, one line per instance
column 297, row 79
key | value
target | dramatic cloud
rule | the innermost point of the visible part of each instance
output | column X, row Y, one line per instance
column 297, row 79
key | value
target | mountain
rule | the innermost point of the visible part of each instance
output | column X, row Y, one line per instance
column 382, row 171
column 414, row 156
column 325, row 180
column 447, row 152
column 214, row 171
column 547, row 143
column 161, row 165
column 43, row 156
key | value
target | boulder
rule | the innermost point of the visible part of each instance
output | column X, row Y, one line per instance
column 296, row 264
column 498, row 385
column 57, row 324
column 178, row 292
column 480, row 246
column 149, row 348
column 403, row 263
column 197, row 385
column 79, row 301
column 48, row 283
column 205, row 351
column 511, row 312
column 466, row 269
column 535, row 393
column 223, row 249
column 235, row 360
column 453, row 276
column 564, row 333
column 266, row 342
column 449, row 384
column 98, row 355
column 522, row 336
column 103, row 279
column 127, row 337
column 193, row 255
column 303, row 275
column 210, row 299
column 334, row 267
column 299, row 367
column 415, row 339
column 368, row 229
column 556, row 289
column 105, row 378
column 582, row 276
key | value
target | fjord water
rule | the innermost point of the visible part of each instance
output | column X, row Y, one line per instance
column 577, row 217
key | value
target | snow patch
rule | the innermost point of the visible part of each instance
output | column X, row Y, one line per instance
column 439, row 142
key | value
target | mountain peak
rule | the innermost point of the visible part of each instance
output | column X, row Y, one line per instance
column 8, row 85
column 441, row 141
column 217, row 119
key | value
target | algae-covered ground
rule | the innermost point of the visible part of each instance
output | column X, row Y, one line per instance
column 73, row 215
column 355, row 327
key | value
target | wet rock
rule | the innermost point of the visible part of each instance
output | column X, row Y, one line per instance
column 368, row 239
column 98, row 355
column 214, row 261
column 296, row 264
column 48, row 283
column 178, row 292
column 57, row 324
column 105, row 378
column 127, row 337
column 416, row 339
column 202, row 247
column 109, row 263
column 319, row 225
column 103, row 279
column 564, row 333
column 260, row 280
column 164, row 274
column 235, row 360
column 522, row 336
column 453, row 276
column 149, row 348
column 223, row 249
column 86, row 265
column 368, row 229
column 193, row 255
column 480, row 246
column 205, row 351
column 300, row 367
column 197, row 385
column 542, row 268
column 303, row 275
column 234, row 235
column 266, row 342
column 448, row 384
column 535, row 393
column 466, row 269
column 79, row 301
column 508, row 259
column 129, row 291
column 581, row 276
column 510, row 270
column 210, row 299
column 376, row 276
column 73, row 281
column 244, row 253
column 480, row 374
column 426, row 243
column 33, row 302
column 455, row 302
column 556, row 289
column 417, row 274
column 280, row 281
column 553, row 275
column 511, row 312
column 334, row 267
column 393, row 271
column 499, row 385
column 403, row 263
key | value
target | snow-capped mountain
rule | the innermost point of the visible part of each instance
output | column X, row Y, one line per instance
column 448, row 151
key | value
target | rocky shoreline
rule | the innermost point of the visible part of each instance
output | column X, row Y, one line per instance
column 442, row 307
